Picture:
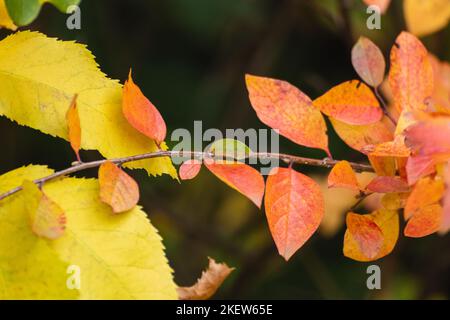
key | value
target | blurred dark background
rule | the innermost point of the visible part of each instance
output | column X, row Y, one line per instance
column 189, row 57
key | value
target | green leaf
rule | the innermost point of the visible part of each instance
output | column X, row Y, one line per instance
column 229, row 148
column 23, row 12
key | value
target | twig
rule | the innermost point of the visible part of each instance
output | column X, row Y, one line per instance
column 384, row 106
column 327, row 163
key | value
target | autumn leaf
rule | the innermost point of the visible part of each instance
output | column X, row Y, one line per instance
column 426, row 17
column 343, row 176
column 445, row 227
column 141, row 113
column 120, row 257
column 383, row 166
column 388, row 222
column 46, row 73
column 211, row 279
column 359, row 136
column 117, row 189
column 394, row 201
column 73, row 124
column 351, row 102
column 240, row 177
column 289, row 111
column 418, row 167
column 427, row 191
column 382, row 4
column 5, row 19
column 425, row 221
column 368, row 61
column 441, row 96
column 411, row 74
column 395, row 148
column 47, row 218
column 388, row 184
column 366, row 234
column 190, row 169
column 294, row 208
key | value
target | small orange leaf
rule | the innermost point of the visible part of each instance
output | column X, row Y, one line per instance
column 73, row 124
column 383, row 166
column 342, row 175
column 287, row 110
column 382, row 4
column 47, row 218
column 368, row 61
column 427, row 191
column 294, row 208
column 394, row 201
column 358, row 137
column 425, row 221
column 418, row 167
column 208, row 283
column 388, row 184
column 352, row 102
column 387, row 221
column 141, row 113
column 190, row 169
column 366, row 233
column 395, row 148
column 240, row 177
column 117, row 189
column 411, row 74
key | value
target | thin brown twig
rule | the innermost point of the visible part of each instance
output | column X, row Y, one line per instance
column 384, row 106
column 326, row 162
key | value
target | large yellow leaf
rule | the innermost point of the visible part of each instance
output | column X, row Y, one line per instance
column 5, row 19
column 119, row 257
column 38, row 78
column 424, row 17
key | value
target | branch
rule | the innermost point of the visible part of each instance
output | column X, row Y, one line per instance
column 384, row 106
column 290, row 159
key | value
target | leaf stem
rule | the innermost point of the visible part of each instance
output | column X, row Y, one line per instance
column 385, row 107
column 80, row 166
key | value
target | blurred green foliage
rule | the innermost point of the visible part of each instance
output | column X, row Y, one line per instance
column 190, row 57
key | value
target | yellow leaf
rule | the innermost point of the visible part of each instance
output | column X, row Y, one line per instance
column 39, row 77
column 424, row 17
column 5, row 19
column 119, row 257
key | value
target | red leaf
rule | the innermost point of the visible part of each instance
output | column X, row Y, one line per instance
column 73, row 124
column 294, row 208
column 287, row 110
column 418, row 167
column 351, row 102
column 388, row 185
column 240, row 177
column 141, row 113
column 117, row 188
column 368, row 61
column 190, row 169
column 342, row 175
column 411, row 74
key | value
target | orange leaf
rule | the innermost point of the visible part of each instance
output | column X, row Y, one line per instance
column 368, row 61
column 141, row 113
column 395, row 148
column 388, row 184
column 441, row 95
column 342, row 175
column 47, row 218
column 358, row 137
column 287, row 110
column 73, row 124
column 117, row 189
column 411, row 75
column 352, row 102
column 240, row 177
column 294, row 208
column 445, row 227
column 190, row 169
column 426, row 191
column 394, row 201
column 382, row 4
column 366, row 233
column 208, row 283
column 425, row 221
column 383, row 166
column 387, row 221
